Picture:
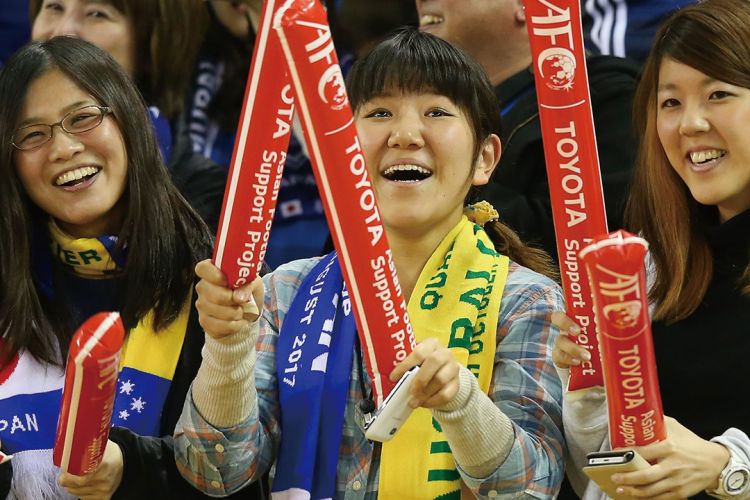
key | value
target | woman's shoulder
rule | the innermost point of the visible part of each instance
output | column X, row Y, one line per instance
column 525, row 289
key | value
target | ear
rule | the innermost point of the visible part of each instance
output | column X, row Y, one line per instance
column 520, row 12
column 489, row 155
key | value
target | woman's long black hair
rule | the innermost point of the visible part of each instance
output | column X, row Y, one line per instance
column 163, row 235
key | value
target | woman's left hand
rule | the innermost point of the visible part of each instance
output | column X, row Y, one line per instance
column 101, row 483
column 684, row 465
column 436, row 382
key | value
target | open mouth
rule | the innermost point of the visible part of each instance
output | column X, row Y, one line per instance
column 76, row 177
column 705, row 157
column 430, row 20
column 406, row 173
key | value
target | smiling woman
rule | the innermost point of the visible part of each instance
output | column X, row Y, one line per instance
column 77, row 178
column 91, row 222
column 690, row 200
column 487, row 403
column 156, row 42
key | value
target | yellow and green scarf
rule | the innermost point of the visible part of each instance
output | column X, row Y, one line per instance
column 456, row 299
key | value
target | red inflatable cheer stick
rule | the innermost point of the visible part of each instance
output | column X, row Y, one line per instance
column 618, row 282
column 88, row 394
column 257, row 161
column 346, row 190
column 575, row 184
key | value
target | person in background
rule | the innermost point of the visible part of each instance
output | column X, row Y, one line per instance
column 14, row 27
column 425, row 115
column 214, row 103
column 494, row 32
column 691, row 201
column 156, row 42
column 625, row 28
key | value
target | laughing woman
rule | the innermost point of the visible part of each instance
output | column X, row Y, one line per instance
column 91, row 222
column 426, row 117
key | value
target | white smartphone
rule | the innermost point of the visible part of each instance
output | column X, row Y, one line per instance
column 394, row 411
column 602, row 464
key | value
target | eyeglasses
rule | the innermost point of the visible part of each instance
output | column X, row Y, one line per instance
column 77, row 121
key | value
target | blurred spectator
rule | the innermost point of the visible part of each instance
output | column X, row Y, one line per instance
column 625, row 28
column 494, row 32
column 14, row 27
column 361, row 24
column 299, row 229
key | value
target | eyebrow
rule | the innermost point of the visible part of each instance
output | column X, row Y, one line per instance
column 672, row 86
column 65, row 110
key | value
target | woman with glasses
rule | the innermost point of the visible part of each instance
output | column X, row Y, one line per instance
column 91, row 222
column 156, row 42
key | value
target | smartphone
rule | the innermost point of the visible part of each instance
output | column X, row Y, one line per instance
column 602, row 464
column 394, row 411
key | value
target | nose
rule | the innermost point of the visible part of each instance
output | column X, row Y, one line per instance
column 63, row 146
column 694, row 120
column 406, row 133
column 67, row 25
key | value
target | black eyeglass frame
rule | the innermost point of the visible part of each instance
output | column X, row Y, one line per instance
column 104, row 111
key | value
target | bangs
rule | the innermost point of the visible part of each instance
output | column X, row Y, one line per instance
column 413, row 63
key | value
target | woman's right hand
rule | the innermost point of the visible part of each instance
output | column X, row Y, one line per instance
column 221, row 310
column 566, row 352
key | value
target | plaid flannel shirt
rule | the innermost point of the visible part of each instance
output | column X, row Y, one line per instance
column 525, row 387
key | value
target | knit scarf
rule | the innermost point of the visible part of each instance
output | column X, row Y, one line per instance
column 30, row 393
column 457, row 300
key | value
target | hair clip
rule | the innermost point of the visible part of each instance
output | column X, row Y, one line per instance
column 481, row 213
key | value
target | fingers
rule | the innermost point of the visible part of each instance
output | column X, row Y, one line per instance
column 440, row 390
column 222, row 311
column 251, row 308
column 565, row 324
column 566, row 353
column 649, row 483
column 436, row 383
column 206, row 270
column 67, row 480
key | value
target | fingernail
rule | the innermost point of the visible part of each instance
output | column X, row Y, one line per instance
column 616, row 479
column 586, row 356
column 620, row 490
column 576, row 361
column 243, row 295
column 575, row 329
column 414, row 403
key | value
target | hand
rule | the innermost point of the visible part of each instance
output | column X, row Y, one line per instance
column 565, row 352
column 220, row 309
column 101, row 483
column 3, row 457
column 436, row 383
column 684, row 465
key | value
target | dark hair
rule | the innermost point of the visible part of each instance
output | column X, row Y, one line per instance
column 235, row 55
column 164, row 236
column 713, row 37
column 168, row 34
column 418, row 62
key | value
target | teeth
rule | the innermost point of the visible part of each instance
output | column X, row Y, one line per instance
column 390, row 171
column 75, row 175
column 429, row 19
column 704, row 156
